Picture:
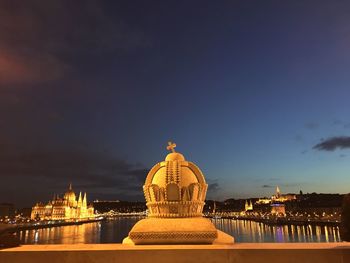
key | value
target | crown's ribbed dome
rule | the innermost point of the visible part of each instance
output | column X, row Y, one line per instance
column 174, row 157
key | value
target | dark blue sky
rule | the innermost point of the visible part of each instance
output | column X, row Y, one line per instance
column 256, row 93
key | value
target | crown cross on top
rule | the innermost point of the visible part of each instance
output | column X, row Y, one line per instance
column 171, row 146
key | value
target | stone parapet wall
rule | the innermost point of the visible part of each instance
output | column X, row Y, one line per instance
column 237, row 253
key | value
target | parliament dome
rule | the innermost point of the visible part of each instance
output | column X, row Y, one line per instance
column 70, row 195
column 175, row 187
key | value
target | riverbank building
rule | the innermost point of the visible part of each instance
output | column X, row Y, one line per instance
column 64, row 208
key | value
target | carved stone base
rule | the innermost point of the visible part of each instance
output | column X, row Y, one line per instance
column 195, row 230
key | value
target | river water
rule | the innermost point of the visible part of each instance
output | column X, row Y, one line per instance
column 113, row 231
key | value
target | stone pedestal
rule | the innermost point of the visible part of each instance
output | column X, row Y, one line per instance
column 196, row 230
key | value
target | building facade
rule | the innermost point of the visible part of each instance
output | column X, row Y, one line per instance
column 277, row 197
column 64, row 208
column 278, row 209
column 248, row 207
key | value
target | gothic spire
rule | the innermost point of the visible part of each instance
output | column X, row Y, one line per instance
column 84, row 200
column 79, row 199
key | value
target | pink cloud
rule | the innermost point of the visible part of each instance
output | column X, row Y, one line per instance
column 25, row 68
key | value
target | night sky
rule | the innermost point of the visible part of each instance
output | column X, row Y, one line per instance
column 256, row 93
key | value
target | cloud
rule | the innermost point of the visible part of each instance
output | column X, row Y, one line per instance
column 46, row 40
column 299, row 138
column 286, row 185
column 337, row 122
column 274, row 179
column 94, row 172
column 312, row 125
column 213, row 186
column 333, row 143
column 16, row 68
column 291, row 184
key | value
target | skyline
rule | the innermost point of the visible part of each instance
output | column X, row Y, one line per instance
column 256, row 94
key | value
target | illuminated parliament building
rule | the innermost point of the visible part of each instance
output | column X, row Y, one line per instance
column 64, row 208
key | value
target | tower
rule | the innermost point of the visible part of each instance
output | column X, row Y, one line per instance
column 80, row 202
column 278, row 192
column 84, row 201
column 248, row 206
column 70, row 197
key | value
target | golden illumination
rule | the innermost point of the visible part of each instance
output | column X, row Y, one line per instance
column 64, row 208
column 175, row 191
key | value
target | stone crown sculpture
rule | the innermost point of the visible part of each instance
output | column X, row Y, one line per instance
column 175, row 191
column 175, row 188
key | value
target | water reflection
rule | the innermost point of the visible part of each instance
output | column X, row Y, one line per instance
column 86, row 233
column 249, row 231
column 99, row 232
column 113, row 231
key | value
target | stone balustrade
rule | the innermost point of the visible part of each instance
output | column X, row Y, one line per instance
column 240, row 253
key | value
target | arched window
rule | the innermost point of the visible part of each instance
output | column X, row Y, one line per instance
column 185, row 196
column 154, row 193
column 194, row 191
column 173, row 193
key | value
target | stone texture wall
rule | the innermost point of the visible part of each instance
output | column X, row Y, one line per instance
column 242, row 253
